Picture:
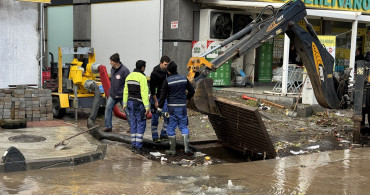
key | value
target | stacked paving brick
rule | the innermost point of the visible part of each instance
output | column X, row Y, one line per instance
column 29, row 103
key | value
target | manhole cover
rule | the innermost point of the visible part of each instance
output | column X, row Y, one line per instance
column 27, row 138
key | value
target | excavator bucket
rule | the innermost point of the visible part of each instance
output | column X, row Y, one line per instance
column 203, row 99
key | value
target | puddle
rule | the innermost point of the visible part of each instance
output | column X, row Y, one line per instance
column 334, row 172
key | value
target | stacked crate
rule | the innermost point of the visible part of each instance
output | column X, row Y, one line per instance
column 29, row 103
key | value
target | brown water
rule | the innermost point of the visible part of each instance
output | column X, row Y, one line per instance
column 121, row 172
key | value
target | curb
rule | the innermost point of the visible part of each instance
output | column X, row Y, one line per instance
column 99, row 154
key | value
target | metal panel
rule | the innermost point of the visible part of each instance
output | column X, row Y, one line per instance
column 241, row 127
column 128, row 28
column 60, row 30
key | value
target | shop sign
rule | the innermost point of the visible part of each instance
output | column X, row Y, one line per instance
column 329, row 43
column 345, row 5
column 37, row 1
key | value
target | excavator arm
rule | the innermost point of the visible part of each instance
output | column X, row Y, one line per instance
column 317, row 60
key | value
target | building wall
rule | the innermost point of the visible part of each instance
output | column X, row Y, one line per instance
column 129, row 28
column 177, row 42
column 59, row 31
column 19, row 43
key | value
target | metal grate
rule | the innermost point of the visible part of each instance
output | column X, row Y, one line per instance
column 240, row 127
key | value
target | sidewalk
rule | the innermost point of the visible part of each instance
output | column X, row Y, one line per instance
column 258, row 92
column 40, row 154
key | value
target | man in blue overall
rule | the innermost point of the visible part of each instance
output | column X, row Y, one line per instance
column 157, row 77
column 136, row 99
column 174, row 90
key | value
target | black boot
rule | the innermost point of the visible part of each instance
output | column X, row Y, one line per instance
column 186, row 145
column 172, row 151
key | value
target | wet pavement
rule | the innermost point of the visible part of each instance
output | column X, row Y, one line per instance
column 36, row 143
column 122, row 172
column 341, row 171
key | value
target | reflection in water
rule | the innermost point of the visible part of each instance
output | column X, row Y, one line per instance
column 346, row 162
column 122, row 172
column 8, row 185
column 279, row 172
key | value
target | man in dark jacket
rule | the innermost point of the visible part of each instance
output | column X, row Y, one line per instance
column 174, row 90
column 118, row 75
column 158, row 75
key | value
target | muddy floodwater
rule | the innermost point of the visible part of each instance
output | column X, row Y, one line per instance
column 121, row 172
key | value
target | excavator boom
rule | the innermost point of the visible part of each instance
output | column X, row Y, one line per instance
column 238, row 126
column 318, row 61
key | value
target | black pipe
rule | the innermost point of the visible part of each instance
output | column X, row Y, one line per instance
column 99, row 135
column 95, row 105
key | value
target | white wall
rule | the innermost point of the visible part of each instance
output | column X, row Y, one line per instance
column 128, row 28
column 19, row 43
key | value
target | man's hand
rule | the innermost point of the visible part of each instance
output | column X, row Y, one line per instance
column 147, row 112
column 155, row 101
column 123, row 107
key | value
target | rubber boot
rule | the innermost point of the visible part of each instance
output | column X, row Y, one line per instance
column 186, row 145
column 172, row 140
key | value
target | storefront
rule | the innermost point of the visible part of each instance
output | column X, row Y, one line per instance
column 346, row 21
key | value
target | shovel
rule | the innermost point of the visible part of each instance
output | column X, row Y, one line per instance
column 63, row 143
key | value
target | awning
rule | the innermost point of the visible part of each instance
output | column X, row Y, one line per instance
column 311, row 13
column 37, row 1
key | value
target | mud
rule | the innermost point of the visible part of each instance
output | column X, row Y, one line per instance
column 289, row 135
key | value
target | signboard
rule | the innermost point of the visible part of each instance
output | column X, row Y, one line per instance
column 37, row 1
column 329, row 43
column 174, row 24
column 198, row 48
column 345, row 5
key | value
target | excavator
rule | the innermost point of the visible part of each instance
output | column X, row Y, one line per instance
column 240, row 127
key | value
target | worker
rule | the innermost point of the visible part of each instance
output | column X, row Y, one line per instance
column 359, row 55
column 174, row 90
column 136, row 99
column 158, row 75
column 119, row 72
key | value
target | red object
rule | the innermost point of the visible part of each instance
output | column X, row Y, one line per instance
column 106, row 85
column 46, row 75
column 248, row 98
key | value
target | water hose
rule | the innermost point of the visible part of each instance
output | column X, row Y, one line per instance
column 92, row 86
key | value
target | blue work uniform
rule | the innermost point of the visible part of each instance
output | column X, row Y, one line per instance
column 174, row 90
column 136, row 99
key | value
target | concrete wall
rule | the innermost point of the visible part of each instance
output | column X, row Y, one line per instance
column 177, row 42
column 82, row 22
column 19, row 43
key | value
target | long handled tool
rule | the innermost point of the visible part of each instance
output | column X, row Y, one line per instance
column 63, row 143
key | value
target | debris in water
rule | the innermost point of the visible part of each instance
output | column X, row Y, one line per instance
column 198, row 154
column 339, row 114
column 156, row 154
column 229, row 184
column 297, row 152
column 207, row 160
column 313, row 147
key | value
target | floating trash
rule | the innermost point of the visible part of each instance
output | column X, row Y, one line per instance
column 313, row 147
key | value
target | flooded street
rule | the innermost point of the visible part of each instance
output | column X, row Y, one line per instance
column 121, row 172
